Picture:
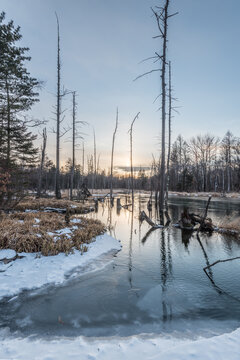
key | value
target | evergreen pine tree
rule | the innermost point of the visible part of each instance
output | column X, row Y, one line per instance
column 17, row 95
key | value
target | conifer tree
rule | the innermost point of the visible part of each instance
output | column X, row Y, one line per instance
column 17, row 95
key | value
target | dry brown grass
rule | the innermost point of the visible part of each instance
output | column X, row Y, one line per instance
column 22, row 233
column 230, row 224
column 31, row 203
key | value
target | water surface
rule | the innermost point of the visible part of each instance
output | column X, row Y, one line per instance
column 155, row 284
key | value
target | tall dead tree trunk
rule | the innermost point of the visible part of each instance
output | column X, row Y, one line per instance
column 169, row 135
column 113, row 143
column 73, row 142
column 58, row 113
column 162, row 17
column 131, row 156
column 44, row 136
column 94, row 160
column 83, row 159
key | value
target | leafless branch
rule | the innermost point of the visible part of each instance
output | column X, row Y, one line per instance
column 147, row 73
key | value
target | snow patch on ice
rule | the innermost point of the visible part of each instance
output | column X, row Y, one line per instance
column 7, row 254
column 32, row 272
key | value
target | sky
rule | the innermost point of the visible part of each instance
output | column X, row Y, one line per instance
column 103, row 43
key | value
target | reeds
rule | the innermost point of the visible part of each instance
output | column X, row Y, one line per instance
column 230, row 224
column 31, row 203
column 36, row 232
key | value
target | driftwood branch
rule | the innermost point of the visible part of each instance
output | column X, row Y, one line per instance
column 189, row 220
column 209, row 275
column 143, row 216
column 202, row 224
column 219, row 261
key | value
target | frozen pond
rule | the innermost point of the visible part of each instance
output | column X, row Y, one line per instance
column 155, row 284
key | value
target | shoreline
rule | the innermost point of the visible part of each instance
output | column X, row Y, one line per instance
column 152, row 346
column 32, row 272
column 221, row 347
column 217, row 195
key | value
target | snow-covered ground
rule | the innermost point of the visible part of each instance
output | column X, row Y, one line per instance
column 223, row 347
column 33, row 271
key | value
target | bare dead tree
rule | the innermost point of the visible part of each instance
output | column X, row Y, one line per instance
column 161, row 15
column 76, row 135
column 44, row 137
column 98, row 163
column 131, row 154
column 59, row 117
column 94, row 158
column 169, row 137
column 73, row 141
column 113, row 143
column 58, row 112
column 83, row 159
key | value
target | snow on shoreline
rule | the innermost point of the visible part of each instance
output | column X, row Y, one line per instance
column 33, row 272
column 220, row 347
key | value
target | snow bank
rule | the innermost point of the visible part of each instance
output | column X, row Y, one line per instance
column 221, row 347
column 32, row 272
column 7, row 254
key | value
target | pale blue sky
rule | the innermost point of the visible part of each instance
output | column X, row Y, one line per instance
column 102, row 43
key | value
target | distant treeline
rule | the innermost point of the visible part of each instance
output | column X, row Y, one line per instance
column 204, row 163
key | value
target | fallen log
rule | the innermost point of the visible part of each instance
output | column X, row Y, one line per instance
column 197, row 219
column 143, row 216
column 189, row 221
